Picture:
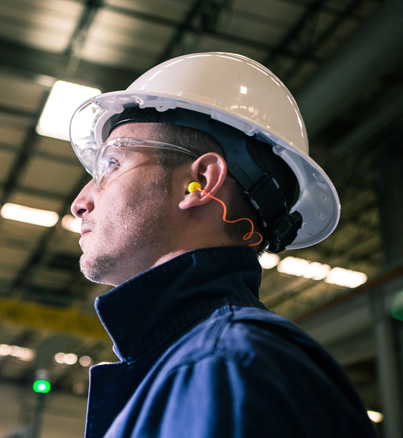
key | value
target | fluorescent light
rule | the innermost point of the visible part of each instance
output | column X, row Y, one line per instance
column 303, row 268
column 375, row 416
column 85, row 361
column 345, row 277
column 319, row 271
column 29, row 215
column 293, row 266
column 59, row 358
column 268, row 261
column 22, row 353
column 71, row 223
column 70, row 359
column 63, row 100
column 67, row 359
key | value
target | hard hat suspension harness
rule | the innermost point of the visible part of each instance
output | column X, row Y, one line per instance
column 260, row 187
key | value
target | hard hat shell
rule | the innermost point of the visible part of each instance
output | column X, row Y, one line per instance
column 238, row 92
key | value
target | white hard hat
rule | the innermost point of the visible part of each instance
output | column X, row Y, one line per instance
column 240, row 93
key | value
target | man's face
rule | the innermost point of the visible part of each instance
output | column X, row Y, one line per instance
column 124, row 223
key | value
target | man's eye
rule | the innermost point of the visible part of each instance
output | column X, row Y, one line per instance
column 110, row 163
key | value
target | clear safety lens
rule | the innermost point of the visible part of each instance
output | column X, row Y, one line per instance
column 82, row 132
column 108, row 160
column 111, row 161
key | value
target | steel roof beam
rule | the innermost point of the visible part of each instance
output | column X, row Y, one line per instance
column 17, row 58
column 369, row 52
column 294, row 32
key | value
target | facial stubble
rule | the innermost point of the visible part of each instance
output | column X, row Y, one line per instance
column 147, row 227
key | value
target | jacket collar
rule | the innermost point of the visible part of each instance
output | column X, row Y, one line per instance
column 155, row 307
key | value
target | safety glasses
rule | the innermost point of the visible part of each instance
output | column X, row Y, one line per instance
column 111, row 159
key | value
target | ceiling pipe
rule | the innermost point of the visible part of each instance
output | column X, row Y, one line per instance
column 365, row 55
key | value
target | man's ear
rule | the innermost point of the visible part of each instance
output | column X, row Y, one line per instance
column 210, row 171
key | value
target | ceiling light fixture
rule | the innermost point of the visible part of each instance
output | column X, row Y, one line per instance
column 318, row 271
column 346, row 277
column 268, row 261
column 63, row 100
column 67, row 359
column 22, row 353
column 303, row 268
column 71, row 223
column 375, row 416
column 34, row 216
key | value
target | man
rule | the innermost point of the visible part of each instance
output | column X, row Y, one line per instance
column 189, row 148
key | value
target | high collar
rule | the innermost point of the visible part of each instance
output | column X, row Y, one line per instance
column 152, row 309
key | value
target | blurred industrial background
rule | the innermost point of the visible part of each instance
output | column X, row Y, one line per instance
column 342, row 60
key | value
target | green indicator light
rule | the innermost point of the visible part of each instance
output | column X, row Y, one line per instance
column 41, row 386
column 397, row 306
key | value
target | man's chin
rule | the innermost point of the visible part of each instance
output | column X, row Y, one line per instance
column 94, row 271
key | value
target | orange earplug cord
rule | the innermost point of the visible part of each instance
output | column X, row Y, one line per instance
column 196, row 186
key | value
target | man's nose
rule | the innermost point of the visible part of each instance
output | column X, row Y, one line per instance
column 84, row 202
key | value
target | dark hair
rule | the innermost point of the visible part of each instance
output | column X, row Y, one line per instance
column 239, row 205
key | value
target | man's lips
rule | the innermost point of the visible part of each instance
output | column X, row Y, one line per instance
column 85, row 231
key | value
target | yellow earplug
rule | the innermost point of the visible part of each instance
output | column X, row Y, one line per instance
column 193, row 186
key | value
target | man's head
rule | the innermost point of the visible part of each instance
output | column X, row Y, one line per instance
column 137, row 213
column 248, row 142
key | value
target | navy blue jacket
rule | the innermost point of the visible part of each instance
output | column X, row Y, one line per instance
column 201, row 357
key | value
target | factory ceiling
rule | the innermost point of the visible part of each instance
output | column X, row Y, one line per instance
column 342, row 60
